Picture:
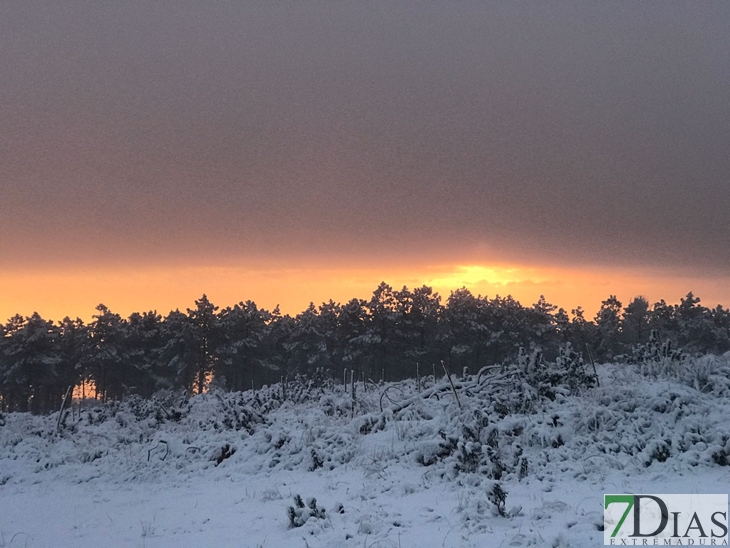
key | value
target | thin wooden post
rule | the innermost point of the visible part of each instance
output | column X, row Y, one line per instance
column 352, row 390
column 453, row 388
column 590, row 357
column 60, row 411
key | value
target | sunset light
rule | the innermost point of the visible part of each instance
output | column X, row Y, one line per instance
column 75, row 293
column 472, row 275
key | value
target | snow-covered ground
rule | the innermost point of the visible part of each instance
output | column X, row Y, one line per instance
column 422, row 472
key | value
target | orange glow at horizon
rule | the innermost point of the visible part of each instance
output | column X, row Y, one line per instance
column 76, row 293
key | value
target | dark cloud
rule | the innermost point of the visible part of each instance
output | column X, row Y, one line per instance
column 557, row 131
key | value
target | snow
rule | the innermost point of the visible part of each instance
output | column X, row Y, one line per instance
column 131, row 475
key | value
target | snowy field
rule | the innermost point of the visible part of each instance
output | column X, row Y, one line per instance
column 223, row 469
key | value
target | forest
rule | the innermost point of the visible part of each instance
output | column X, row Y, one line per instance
column 389, row 337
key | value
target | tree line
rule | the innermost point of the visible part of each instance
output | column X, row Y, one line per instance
column 385, row 337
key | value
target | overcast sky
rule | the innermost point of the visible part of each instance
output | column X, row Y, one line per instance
column 563, row 133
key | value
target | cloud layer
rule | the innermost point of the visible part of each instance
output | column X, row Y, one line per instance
column 548, row 133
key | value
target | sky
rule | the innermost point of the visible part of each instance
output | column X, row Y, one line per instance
column 289, row 152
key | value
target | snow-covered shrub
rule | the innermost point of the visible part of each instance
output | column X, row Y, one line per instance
column 371, row 423
column 469, row 452
column 475, row 448
column 524, row 468
column 721, row 452
column 429, row 452
column 334, row 405
column 565, row 375
column 300, row 513
column 223, row 453
column 102, row 413
column 238, row 416
column 707, row 374
column 317, row 461
column 306, row 388
column 657, row 451
column 655, row 352
column 498, row 497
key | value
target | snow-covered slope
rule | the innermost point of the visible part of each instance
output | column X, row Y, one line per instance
column 224, row 469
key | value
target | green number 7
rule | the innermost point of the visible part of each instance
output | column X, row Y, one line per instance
column 610, row 499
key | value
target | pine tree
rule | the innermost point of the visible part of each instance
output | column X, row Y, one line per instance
column 608, row 327
column 32, row 360
column 582, row 332
column 462, row 329
column 72, row 344
column 207, row 336
column 635, row 323
column 695, row 326
column 542, row 318
column 180, row 352
column 382, row 311
column 242, row 353
column 419, row 312
column 352, row 326
column 143, row 345
column 104, row 362
column 663, row 320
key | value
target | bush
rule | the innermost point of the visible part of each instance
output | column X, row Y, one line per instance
column 300, row 513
